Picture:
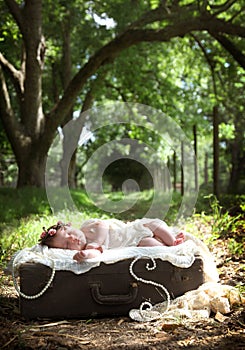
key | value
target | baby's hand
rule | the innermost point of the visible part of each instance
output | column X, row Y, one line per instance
column 86, row 254
column 93, row 245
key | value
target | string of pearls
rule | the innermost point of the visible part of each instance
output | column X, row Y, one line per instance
column 144, row 313
column 35, row 296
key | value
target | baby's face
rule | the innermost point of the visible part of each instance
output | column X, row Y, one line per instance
column 68, row 237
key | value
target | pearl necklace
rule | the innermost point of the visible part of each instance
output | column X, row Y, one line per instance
column 35, row 296
column 144, row 313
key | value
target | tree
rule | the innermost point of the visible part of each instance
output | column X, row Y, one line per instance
column 30, row 128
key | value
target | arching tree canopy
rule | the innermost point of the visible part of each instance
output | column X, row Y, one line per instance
column 57, row 55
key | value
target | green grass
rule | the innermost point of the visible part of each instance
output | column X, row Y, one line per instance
column 19, row 203
column 25, row 211
column 22, row 203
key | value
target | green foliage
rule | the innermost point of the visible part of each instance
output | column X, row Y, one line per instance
column 233, row 204
column 223, row 224
column 173, row 76
column 27, row 210
column 8, row 166
column 21, row 233
column 25, row 202
column 154, row 4
column 20, row 203
column 235, row 248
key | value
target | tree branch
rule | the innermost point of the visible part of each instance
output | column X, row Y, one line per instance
column 155, row 15
column 15, row 11
column 231, row 48
column 15, row 75
column 237, row 14
column 11, row 125
column 210, row 63
column 223, row 7
column 165, row 12
column 129, row 38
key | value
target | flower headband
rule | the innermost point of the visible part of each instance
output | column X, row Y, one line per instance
column 51, row 231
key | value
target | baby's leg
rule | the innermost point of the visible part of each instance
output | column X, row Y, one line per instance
column 162, row 232
column 150, row 242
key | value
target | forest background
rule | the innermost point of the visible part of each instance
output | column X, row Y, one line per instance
column 63, row 61
column 59, row 62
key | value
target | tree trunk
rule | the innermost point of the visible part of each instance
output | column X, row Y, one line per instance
column 168, row 175
column 26, row 123
column 215, row 151
column 31, row 168
column 195, row 156
column 237, row 160
column 25, row 126
column 32, row 113
column 206, row 169
column 182, row 168
column 67, row 162
column 174, row 172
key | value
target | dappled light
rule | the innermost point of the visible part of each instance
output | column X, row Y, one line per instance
column 123, row 110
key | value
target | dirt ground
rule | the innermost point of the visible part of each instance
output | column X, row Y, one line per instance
column 122, row 332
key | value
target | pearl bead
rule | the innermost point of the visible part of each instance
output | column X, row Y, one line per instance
column 42, row 291
column 146, row 303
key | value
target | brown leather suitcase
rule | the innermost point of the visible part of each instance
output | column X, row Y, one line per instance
column 104, row 291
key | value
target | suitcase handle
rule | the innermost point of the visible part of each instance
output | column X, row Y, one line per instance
column 113, row 299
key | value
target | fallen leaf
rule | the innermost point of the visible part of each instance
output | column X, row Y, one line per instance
column 220, row 317
column 41, row 343
column 170, row 326
column 52, row 324
column 120, row 322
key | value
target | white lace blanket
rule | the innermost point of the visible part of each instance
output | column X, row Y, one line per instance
column 182, row 255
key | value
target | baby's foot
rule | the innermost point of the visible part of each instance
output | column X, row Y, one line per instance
column 180, row 237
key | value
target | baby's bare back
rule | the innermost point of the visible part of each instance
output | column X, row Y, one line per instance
column 96, row 231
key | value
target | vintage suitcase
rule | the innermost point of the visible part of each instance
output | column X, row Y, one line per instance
column 107, row 290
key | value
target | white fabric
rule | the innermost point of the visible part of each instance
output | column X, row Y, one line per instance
column 122, row 234
column 195, row 304
column 182, row 255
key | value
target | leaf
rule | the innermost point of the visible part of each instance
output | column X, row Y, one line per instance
column 220, row 317
column 154, row 4
column 170, row 326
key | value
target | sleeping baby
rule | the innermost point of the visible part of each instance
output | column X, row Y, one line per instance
column 95, row 235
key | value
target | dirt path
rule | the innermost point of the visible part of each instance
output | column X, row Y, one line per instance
column 122, row 333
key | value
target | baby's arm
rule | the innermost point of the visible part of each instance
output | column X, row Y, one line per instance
column 92, row 250
column 86, row 254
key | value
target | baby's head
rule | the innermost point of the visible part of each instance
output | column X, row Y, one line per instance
column 63, row 236
column 48, row 234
